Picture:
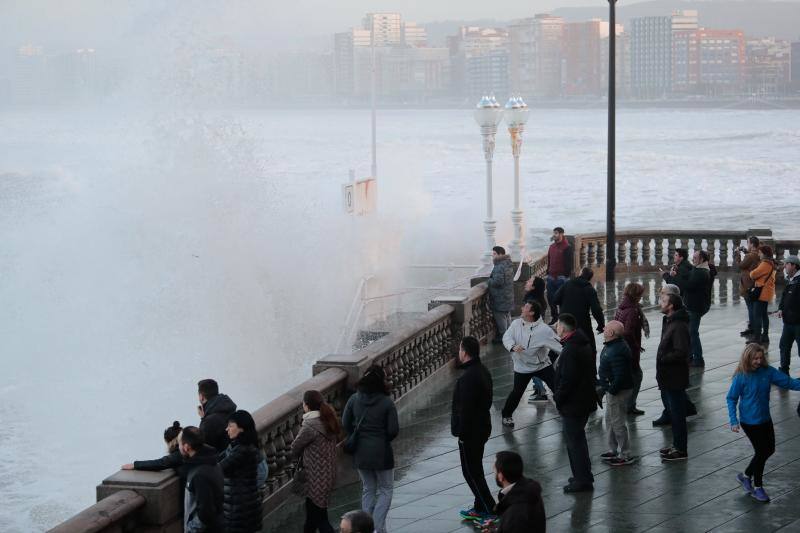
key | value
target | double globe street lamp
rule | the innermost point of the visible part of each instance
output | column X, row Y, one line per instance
column 488, row 115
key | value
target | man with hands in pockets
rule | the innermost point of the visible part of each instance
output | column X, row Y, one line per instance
column 529, row 340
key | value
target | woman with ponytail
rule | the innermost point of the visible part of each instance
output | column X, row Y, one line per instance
column 316, row 445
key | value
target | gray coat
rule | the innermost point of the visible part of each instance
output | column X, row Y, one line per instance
column 378, row 429
column 501, row 285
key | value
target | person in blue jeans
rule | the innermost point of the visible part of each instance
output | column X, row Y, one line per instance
column 559, row 268
column 750, row 390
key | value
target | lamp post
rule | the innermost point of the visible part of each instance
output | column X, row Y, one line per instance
column 516, row 115
column 488, row 114
column 611, row 256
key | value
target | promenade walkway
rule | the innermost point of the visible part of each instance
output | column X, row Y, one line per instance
column 698, row 495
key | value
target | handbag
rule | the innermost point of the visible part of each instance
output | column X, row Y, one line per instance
column 351, row 442
column 754, row 293
column 300, row 479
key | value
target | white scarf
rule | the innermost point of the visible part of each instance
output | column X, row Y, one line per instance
column 310, row 414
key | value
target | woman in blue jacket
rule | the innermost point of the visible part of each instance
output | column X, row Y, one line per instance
column 750, row 390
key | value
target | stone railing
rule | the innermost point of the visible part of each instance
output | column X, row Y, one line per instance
column 135, row 500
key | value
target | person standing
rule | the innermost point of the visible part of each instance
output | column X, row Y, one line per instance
column 681, row 268
column 239, row 464
column 632, row 317
column 316, row 445
column 747, row 264
column 615, row 378
column 789, row 311
column 762, row 292
column 520, row 508
column 672, row 373
column 471, row 423
column 203, row 498
column 559, row 268
column 578, row 298
column 501, row 290
column 535, row 290
column 529, row 340
column 214, row 410
column 750, row 390
column 575, row 399
column 698, row 301
column 356, row 522
column 372, row 415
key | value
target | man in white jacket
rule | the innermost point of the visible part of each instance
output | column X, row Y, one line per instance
column 529, row 340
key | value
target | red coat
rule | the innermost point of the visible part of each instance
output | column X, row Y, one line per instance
column 630, row 314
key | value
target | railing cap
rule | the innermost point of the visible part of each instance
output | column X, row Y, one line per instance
column 138, row 478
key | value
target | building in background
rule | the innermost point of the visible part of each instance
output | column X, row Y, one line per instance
column 548, row 35
column 30, row 75
column 768, row 68
column 582, row 58
column 795, row 68
column 479, row 62
column 708, row 62
column 388, row 28
column 622, row 63
column 521, row 59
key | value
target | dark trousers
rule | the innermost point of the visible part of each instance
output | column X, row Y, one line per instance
column 521, row 383
column 760, row 318
column 316, row 519
column 749, row 303
column 790, row 335
column 471, row 451
column 675, row 400
column 574, row 429
column 695, row 346
column 638, row 375
column 762, row 437
column 552, row 285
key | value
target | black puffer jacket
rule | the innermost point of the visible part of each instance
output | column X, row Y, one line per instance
column 790, row 302
column 378, row 429
column 575, row 376
column 698, row 290
column 672, row 358
column 522, row 509
column 472, row 400
column 217, row 410
column 578, row 298
column 242, row 507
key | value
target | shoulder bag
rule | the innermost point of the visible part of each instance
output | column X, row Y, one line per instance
column 350, row 443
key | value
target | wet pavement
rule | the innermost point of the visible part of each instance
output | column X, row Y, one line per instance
column 701, row 494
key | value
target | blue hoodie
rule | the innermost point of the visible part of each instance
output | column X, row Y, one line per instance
column 751, row 391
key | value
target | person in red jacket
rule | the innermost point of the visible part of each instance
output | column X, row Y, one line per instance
column 632, row 317
column 559, row 268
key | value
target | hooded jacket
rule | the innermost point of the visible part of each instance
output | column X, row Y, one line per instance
column 672, row 358
column 203, row 499
column 537, row 338
column 216, row 411
column 615, row 370
column 472, row 400
column 522, row 509
column 578, row 298
column 239, row 463
column 378, row 429
column 501, row 284
column 574, row 393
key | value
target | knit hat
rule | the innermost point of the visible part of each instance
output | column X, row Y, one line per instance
column 793, row 259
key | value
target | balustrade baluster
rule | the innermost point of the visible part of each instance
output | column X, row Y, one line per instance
column 621, row 252
column 590, row 254
column 583, row 254
column 672, row 243
column 723, row 253
column 711, row 248
column 635, row 252
column 646, row 260
column 601, row 253
column 659, row 259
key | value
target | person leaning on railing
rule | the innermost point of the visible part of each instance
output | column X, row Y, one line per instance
column 173, row 459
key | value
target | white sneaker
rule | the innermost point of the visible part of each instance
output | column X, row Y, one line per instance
column 508, row 422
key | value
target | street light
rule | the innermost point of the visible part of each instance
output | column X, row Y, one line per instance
column 516, row 115
column 611, row 198
column 488, row 114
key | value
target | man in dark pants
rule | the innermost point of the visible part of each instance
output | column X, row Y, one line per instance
column 575, row 399
column 203, row 498
column 559, row 268
column 471, row 423
column 672, row 373
column 578, row 298
column 789, row 311
column 698, row 301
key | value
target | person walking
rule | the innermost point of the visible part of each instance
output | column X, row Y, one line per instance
column 749, row 392
column 615, row 379
column 214, row 410
column 315, row 446
column 746, row 265
column 578, row 298
column 204, row 494
column 239, row 464
column 535, row 290
column 559, row 268
column 698, row 301
column 789, row 311
column 632, row 317
column 672, row 373
column 529, row 340
column 520, row 508
column 762, row 292
column 471, row 423
column 371, row 415
column 575, row 399
column 501, row 290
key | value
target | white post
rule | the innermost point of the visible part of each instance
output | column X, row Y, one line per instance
column 517, row 245
column 489, row 225
column 374, row 119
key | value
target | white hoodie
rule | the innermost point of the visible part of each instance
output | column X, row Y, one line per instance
column 537, row 338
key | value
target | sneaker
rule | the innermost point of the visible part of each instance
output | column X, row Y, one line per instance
column 538, row 398
column 472, row 514
column 665, row 451
column 675, row 455
column 508, row 422
column 746, row 333
column 759, row 494
column 608, row 455
column 661, row 422
column 635, row 411
column 747, row 485
column 488, row 522
column 621, row 461
column 572, row 488
column 691, row 410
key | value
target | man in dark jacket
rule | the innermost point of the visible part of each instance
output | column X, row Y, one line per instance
column 578, row 298
column 520, row 508
column 681, row 268
column 672, row 373
column 214, row 410
column 559, row 268
column 501, row 290
column 746, row 265
column 615, row 375
column 575, row 399
column 203, row 500
column 789, row 311
column 471, row 423
column 697, row 298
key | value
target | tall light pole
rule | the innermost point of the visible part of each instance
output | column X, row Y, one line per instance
column 611, row 256
column 488, row 114
column 516, row 115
